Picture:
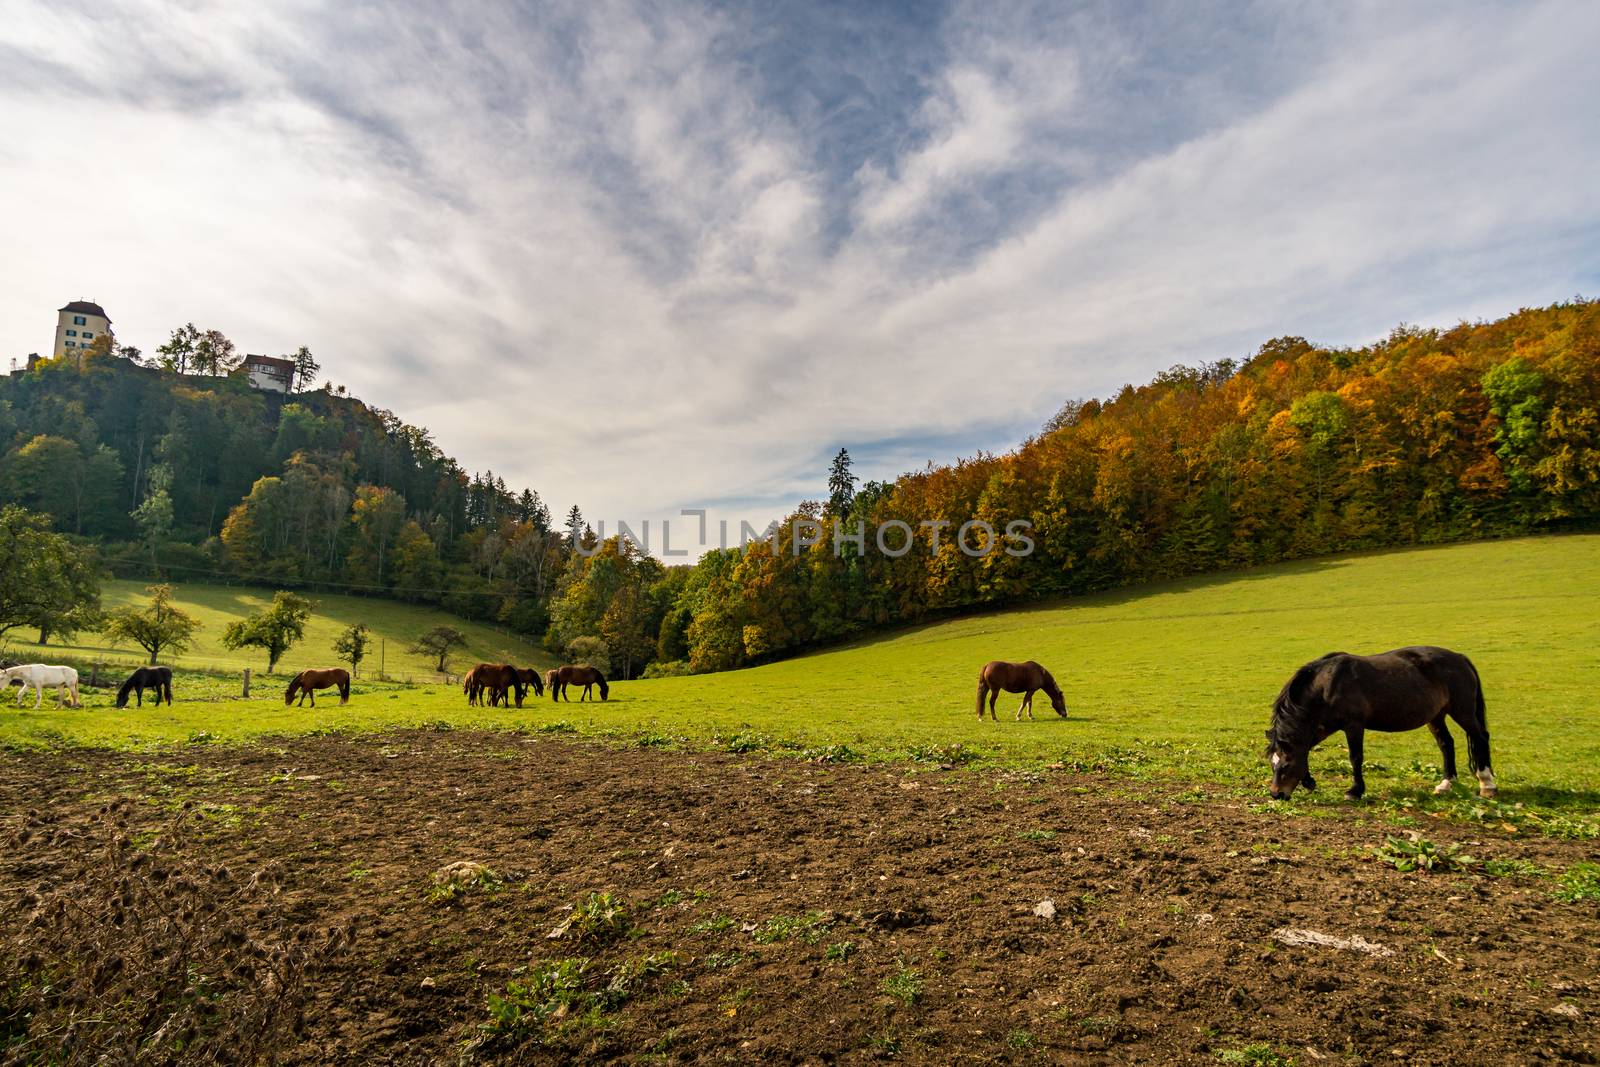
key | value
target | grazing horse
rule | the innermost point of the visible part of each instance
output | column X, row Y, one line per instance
column 1025, row 678
column 157, row 678
column 63, row 680
column 531, row 680
column 306, row 683
column 582, row 675
column 497, row 681
column 1392, row 691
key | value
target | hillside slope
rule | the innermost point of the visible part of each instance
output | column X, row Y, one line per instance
column 1170, row 679
column 394, row 627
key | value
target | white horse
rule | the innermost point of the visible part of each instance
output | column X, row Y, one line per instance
column 62, row 679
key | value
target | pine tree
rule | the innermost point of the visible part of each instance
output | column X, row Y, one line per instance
column 841, row 484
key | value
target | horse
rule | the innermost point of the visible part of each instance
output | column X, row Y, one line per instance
column 583, row 675
column 531, row 680
column 1392, row 691
column 62, row 679
column 306, row 683
column 1025, row 678
column 498, row 680
column 157, row 678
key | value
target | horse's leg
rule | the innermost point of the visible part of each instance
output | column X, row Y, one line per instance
column 1477, row 731
column 1447, row 755
column 1356, row 736
column 994, row 695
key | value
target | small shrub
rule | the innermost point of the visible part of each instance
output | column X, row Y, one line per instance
column 1255, row 1056
column 1420, row 854
column 675, row 668
column 808, row 927
column 955, row 754
column 598, row 920
column 839, row 951
column 905, row 985
column 1581, row 881
column 560, row 726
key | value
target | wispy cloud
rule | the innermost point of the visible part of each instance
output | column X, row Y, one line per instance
column 644, row 256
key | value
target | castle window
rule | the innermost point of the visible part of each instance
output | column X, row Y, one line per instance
column 78, row 320
column 72, row 344
column 87, row 334
column 72, row 333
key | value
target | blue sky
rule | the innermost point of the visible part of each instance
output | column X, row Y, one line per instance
column 649, row 256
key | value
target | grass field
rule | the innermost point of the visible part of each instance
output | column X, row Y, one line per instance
column 1172, row 680
column 396, row 625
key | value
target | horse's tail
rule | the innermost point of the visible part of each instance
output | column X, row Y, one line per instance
column 122, row 694
column 344, row 688
column 983, row 688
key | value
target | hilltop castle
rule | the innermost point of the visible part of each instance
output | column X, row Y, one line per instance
column 77, row 326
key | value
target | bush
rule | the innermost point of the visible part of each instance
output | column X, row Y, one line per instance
column 677, row 668
column 590, row 650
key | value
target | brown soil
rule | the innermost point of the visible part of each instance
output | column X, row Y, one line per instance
column 1161, row 949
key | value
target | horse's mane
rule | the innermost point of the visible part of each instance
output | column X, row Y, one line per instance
column 1292, row 720
column 127, row 687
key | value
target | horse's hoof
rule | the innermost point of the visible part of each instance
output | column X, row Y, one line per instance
column 1444, row 787
column 1353, row 796
column 1488, row 794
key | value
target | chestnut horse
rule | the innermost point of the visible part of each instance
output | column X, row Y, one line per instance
column 497, row 680
column 306, row 683
column 1025, row 678
column 1392, row 691
column 585, row 676
column 531, row 680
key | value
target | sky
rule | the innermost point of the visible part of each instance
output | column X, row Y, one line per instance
column 651, row 256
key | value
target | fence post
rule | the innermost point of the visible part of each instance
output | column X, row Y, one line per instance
column 94, row 676
column 247, row 681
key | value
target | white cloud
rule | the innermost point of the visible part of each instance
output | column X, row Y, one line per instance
column 590, row 254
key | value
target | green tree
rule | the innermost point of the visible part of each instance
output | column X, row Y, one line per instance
column 58, row 476
column 43, row 576
column 437, row 644
column 351, row 645
column 154, row 514
column 274, row 629
column 416, row 567
column 178, row 352
column 75, row 605
column 378, row 515
column 841, row 485
column 156, row 626
column 305, row 369
column 214, row 353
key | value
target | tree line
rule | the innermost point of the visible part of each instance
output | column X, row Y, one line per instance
column 1429, row 435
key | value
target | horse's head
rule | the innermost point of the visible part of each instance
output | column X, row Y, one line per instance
column 1290, row 766
column 605, row 690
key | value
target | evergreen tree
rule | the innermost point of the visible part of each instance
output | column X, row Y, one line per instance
column 841, row 485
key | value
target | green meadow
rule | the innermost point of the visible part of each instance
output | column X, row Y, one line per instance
column 1170, row 681
column 394, row 627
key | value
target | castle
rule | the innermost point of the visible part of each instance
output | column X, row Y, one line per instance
column 77, row 326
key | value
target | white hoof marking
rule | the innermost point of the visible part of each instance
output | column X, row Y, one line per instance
column 1444, row 786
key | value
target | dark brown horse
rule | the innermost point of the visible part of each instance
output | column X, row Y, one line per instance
column 307, row 682
column 496, row 681
column 1392, row 691
column 1025, row 678
column 157, row 678
column 582, row 675
column 531, row 680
